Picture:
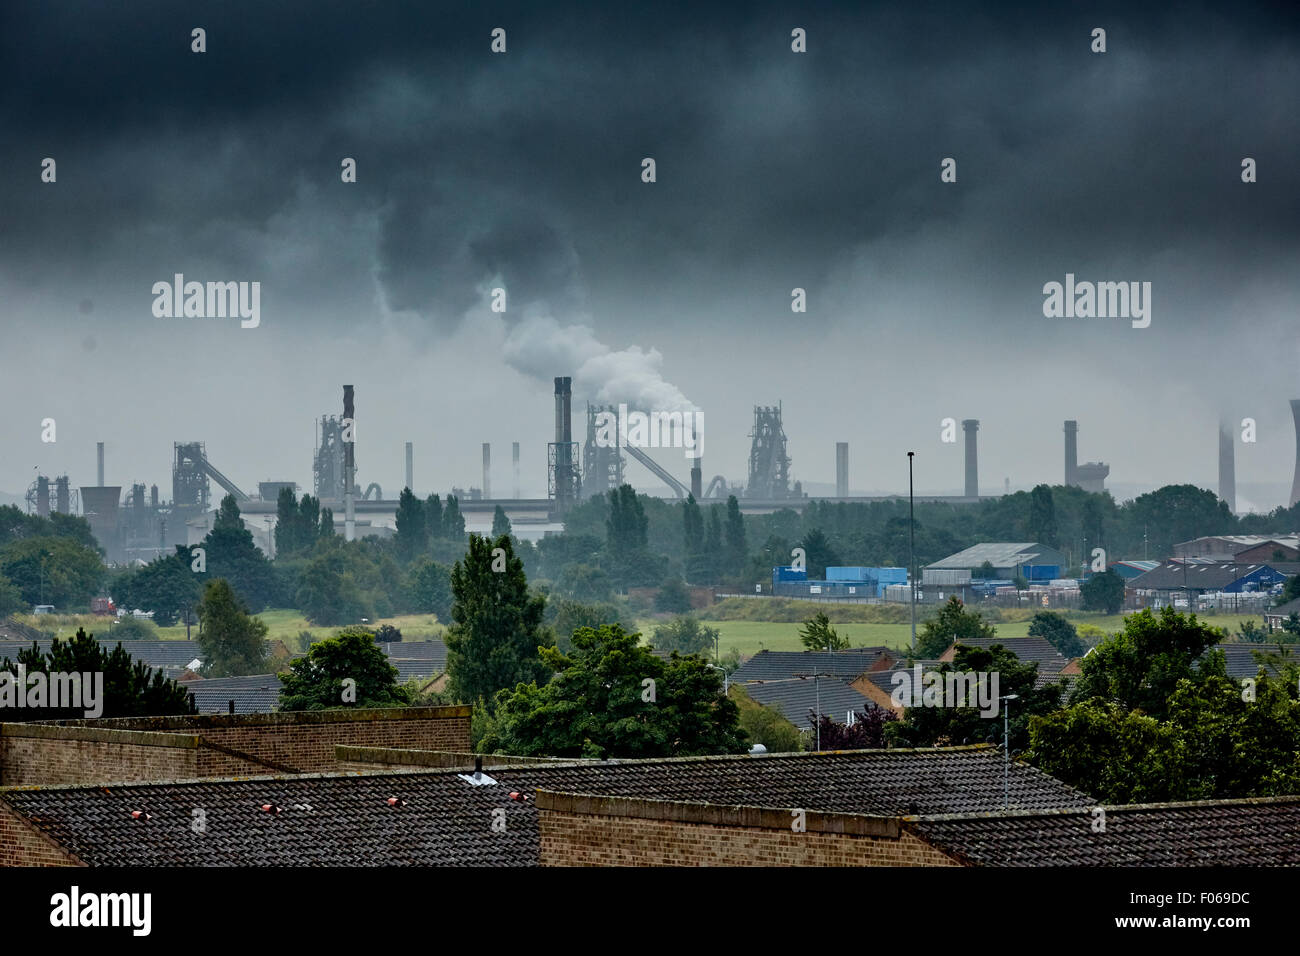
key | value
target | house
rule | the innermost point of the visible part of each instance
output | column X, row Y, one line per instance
column 1240, row 548
column 1275, row 617
column 255, row 694
column 727, row 810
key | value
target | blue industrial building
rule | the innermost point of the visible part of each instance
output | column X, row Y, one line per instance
column 854, row 582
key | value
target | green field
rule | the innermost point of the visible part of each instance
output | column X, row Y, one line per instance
column 750, row 637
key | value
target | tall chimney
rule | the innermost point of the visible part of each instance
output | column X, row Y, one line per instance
column 487, row 470
column 514, row 458
column 410, row 466
column 1071, row 453
column 697, row 478
column 1295, row 482
column 349, row 465
column 563, row 441
column 99, row 454
column 153, row 496
column 841, row 469
column 971, row 426
column 1227, row 467
column 62, row 496
column 42, row 496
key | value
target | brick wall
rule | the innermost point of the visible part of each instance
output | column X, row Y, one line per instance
column 581, row 830
column 172, row 748
column 21, row 845
column 32, row 754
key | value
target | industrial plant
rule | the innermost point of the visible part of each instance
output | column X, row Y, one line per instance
column 135, row 524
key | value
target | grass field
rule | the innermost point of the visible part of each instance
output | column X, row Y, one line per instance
column 750, row 637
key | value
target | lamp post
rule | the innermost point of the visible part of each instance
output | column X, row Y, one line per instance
column 817, row 690
column 911, row 547
column 1006, row 750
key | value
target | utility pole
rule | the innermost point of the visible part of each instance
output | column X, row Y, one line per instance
column 911, row 547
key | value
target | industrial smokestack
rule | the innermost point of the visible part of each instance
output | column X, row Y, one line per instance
column 841, row 469
column 62, row 495
column 1071, row 453
column 564, row 484
column 487, row 470
column 971, row 426
column 153, row 496
column 42, row 496
column 1295, row 482
column 1227, row 467
column 349, row 464
column 99, row 455
column 514, row 459
column 697, row 478
column 410, row 466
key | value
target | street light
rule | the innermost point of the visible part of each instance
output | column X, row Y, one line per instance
column 817, row 689
column 1006, row 751
column 911, row 547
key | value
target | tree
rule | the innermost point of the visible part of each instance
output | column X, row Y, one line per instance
column 167, row 586
column 433, row 516
column 611, row 698
column 1042, row 516
column 867, row 732
column 388, row 634
column 1139, row 667
column 412, row 537
column 953, row 622
column 11, row 599
column 317, row 681
column 1251, row 633
column 328, row 593
column 297, row 523
column 625, row 529
column 131, row 628
column 820, row 555
column 585, row 582
column 500, row 523
column 496, row 632
column 817, row 634
column 765, row 726
column 1059, row 632
column 954, row 722
column 673, row 597
column 428, row 586
column 1290, row 590
column 231, row 554
column 1102, row 592
column 694, row 558
column 231, row 641
column 736, row 549
column 565, row 616
column 49, row 570
column 453, row 522
column 685, row 635
column 130, row 689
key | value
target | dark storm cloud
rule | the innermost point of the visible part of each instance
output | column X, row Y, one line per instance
column 527, row 166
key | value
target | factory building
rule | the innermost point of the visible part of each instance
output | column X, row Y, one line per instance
column 840, row 582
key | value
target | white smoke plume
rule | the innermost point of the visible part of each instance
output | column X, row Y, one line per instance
column 541, row 347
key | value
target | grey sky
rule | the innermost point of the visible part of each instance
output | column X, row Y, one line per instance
column 775, row 170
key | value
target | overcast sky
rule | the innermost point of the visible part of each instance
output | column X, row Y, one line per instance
column 775, row 170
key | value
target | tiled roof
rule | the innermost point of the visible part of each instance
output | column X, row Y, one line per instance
column 416, row 659
column 794, row 698
column 779, row 665
column 171, row 657
column 885, row 679
column 1025, row 648
column 1246, row 832
column 345, row 820
column 1240, row 658
column 255, row 694
column 1284, row 610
